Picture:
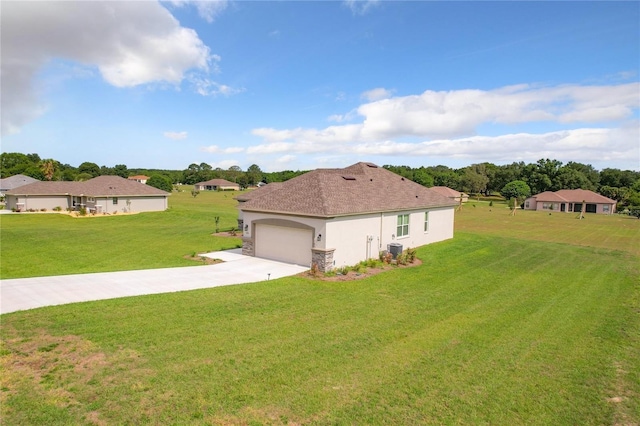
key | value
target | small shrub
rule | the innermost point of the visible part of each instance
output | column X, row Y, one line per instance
column 490, row 203
column 82, row 211
column 410, row 254
column 360, row 268
column 401, row 259
column 43, row 210
column 57, row 209
column 314, row 269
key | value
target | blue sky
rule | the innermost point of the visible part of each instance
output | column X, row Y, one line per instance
column 300, row 85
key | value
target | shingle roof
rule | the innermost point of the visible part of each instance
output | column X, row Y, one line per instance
column 357, row 189
column 573, row 196
column 218, row 182
column 110, row 186
column 16, row 181
column 259, row 192
column 446, row 191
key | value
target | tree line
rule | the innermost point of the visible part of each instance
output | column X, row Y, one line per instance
column 517, row 179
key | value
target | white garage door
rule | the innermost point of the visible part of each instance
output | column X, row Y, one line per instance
column 292, row 245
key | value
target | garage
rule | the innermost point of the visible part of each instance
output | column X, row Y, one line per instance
column 284, row 243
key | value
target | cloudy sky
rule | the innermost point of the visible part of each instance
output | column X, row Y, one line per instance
column 299, row 85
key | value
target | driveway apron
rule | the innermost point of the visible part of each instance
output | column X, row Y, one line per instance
column 28, row 293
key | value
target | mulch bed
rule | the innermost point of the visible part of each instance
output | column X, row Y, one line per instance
column 352, row 275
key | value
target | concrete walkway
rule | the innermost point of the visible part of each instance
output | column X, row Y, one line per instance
column 28, row 293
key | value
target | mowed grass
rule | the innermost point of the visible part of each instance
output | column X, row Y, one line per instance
column 508, row 323
column 616, row 232
column 488, row 330
column 55, row 244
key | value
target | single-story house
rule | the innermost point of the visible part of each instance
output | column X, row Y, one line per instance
column 139, row 178
column 217, row 185
column 15, row 181
column 571, row 200
column 451, row 193
column 102, row 194
column 339, row 217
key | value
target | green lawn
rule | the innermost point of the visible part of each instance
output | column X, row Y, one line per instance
column 495, row 327
column 55, row 244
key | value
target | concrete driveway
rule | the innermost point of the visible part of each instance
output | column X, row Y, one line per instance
column 28, row 293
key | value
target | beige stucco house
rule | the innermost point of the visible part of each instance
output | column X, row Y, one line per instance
column 102, row 194
column 217, row 185
column 139, row 178
column 339, row 217
column 571, row 200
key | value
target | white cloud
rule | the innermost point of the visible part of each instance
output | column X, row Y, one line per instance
column 376, row 94
column 207, row 9
column 215, row 149
column 130, row 43
column 175, row 135
column 589, row 145
column 361, row 7
column 437, row 115
column 207, row 87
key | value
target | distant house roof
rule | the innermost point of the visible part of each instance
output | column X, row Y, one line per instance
column 447, row 192
column 573, row 196
column 15, row 181
column 357, row 189
column 259, row 192
column 101, row 186
column 138, row 177
column 217, row 182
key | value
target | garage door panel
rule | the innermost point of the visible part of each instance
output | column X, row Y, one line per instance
column 285, row 244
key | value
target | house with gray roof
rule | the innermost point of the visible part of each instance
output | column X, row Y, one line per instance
column 571, row 200
column 217, row 185
column 339, row 217
column 15, row 181
column 102, row 194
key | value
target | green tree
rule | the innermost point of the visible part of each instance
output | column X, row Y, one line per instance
column 160, row 182
column 473, row 181
column 254, row 174
column 570, row 178
column 121, row 170
column 90, row 168
column 518, row 190
column 13, row 163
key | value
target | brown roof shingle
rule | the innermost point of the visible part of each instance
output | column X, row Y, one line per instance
column 357, row 189
column 110, row 186
column 573, row 196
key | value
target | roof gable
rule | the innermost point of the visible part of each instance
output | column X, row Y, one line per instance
column 110, row 186
column 357, row 189
column 16, row 181
column 573, row 196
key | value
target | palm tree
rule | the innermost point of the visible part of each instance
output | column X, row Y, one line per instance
column 48, row 168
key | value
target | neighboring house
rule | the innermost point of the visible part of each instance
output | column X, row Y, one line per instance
column 571, row 200
column 339, row 217
column 217, row 185
column 102, row 194
column 13, row 182
column 451, row 193
column 139, row 178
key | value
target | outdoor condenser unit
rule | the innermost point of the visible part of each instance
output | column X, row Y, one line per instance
column 395, row 249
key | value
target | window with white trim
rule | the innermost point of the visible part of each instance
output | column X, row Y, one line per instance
column 426, row 221
column 403, row 225
column 115, row 200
